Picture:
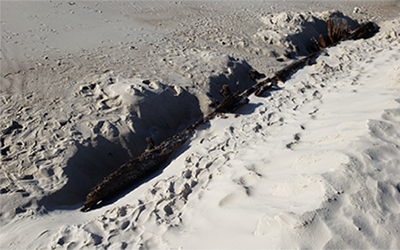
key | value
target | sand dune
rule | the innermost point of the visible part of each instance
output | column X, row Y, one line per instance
column 313, row 163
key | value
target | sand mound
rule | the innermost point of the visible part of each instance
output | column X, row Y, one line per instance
column 292, row 33
column 103, row 123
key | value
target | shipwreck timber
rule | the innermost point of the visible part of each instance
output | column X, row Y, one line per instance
column 134, row 170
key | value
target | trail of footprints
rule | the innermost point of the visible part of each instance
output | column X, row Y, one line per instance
column 160, row 208
column 32, row 149
column 163, row 203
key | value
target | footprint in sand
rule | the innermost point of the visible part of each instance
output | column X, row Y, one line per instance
column 274, row 119
column 292, row 144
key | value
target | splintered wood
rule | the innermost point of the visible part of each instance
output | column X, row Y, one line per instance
column 336, row 30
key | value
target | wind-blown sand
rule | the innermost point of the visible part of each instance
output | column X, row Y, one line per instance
column 313, row 163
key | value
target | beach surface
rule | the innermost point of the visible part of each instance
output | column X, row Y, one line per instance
column 312, row 163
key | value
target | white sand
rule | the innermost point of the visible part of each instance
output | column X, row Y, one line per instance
column 314, row 163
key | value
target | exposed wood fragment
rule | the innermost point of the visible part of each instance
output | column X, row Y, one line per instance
column 284, row 73
column 363, row 31
column 266, row 86
column 321, row 41
column 345, row 32
column 225, row 91
column 132, row 171
column 329, row 27
column 150, row 143
column 254, row 75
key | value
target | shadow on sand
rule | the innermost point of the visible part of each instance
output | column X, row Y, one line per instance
column 96, row 160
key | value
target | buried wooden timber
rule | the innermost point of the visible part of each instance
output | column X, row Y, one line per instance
column 134, row 170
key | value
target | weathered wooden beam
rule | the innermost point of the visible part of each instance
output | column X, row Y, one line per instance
column 321, row 41
column 363, row 31
column 284, row 73
column 268, row 84
column 134, row 170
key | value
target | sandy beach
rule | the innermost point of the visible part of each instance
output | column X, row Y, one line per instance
column 312, row 163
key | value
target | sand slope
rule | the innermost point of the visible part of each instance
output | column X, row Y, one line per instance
column 311, row 164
